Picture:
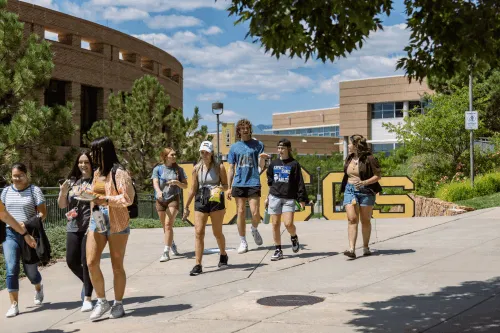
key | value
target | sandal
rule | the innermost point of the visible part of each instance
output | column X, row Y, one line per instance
column 350, row 254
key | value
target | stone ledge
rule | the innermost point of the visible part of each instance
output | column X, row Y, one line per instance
column 428, row 207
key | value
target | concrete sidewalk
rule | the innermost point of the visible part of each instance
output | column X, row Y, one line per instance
column 428, row 275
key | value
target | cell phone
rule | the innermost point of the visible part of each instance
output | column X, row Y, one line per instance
column 61, row 181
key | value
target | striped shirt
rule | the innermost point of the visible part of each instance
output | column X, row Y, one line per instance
column 21, row 204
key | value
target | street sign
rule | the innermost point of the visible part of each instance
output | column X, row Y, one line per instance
column 471, row 120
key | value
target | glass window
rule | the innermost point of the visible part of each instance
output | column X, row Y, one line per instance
column 399, row 113
column 377, row 114
column 388, row 114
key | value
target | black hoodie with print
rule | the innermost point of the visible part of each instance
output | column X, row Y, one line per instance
column 284, row 178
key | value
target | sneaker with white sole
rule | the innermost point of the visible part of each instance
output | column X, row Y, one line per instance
column 278, row 255
column 256, row 236
column 39, row 296
column 243, row 248
column 366, row 251
column 99, row 310
column 117, row 311
column 165, row 257
column 87, row 306
column 13, row 310
column 173, row 249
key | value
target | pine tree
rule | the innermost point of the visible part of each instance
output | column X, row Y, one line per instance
column 141, row 124
column 27, row 129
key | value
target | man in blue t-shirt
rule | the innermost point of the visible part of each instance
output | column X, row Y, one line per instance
column 245, row 157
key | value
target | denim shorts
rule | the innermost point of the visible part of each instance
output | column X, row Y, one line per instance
column 362, row 199
column 278, row 206
column 105, row 212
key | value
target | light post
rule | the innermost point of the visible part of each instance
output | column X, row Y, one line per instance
column 318, row 197
column 218, row 109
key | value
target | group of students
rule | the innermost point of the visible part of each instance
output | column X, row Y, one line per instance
column 104, row 218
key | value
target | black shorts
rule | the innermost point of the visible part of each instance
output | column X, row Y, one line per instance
column 245, row 192
column 210, row 206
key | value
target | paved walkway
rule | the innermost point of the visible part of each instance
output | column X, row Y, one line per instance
column 428, row 275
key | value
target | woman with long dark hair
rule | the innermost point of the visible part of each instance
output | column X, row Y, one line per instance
column 209, row 182
column 23, row 202
column 168, row 181
column 109, row 223
column 79, row 180
column 360, row 186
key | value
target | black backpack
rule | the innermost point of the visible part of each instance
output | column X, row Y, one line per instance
column 3, row 231
column 133, row 209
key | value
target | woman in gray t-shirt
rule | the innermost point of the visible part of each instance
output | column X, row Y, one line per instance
column 78, row 215
column 168, row 181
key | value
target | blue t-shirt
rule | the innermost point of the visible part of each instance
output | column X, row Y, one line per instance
column 164, row 173
column 245, row 156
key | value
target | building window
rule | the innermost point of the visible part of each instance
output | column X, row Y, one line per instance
column 383, row 147
column 89, row 105
column 383, row 110
column 55, row 93
column 415, row 105
column 332, row 131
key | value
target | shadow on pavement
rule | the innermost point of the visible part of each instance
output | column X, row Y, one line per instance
column 154, row 310
column 76, row 304
column 473, row 306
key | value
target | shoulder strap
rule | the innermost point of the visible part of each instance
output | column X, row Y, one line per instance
column 33, row 197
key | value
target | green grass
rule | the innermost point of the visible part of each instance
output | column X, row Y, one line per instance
column 141, row 223
column 487, row 201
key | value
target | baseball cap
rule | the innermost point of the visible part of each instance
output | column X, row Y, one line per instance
column 285, row 143
column 207, row 146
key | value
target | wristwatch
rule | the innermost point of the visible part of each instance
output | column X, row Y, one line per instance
column 25, row 233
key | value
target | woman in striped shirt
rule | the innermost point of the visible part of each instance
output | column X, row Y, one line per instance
column 23, row 201
column 109, row 223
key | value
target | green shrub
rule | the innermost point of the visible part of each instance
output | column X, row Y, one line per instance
column 453, row 192
column 485, row 185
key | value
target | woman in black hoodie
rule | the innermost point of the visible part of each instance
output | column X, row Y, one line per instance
column 284, row 176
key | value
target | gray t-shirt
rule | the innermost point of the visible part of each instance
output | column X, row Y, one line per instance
column 81, row 222
column 164, row 174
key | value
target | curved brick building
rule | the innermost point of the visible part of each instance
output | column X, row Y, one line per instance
column 92, row 61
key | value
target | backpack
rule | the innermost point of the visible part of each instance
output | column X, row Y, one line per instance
column 133, row 209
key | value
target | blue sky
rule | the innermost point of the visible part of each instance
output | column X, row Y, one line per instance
column 219, row 64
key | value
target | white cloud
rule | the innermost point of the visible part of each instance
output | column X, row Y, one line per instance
column 44, row 3
column 215, row 96
column 378, row 57
column 227, row 116
column 264, row 97
column 213, row 30
column 158, row 6
column 116, row 14
column 84, row 11
column 173, row 21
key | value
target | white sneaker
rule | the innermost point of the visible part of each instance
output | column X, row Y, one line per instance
column 165, row 257
column 13, row 310
column 243, row 248
column 87, row 306
column 99, row 310
column 256, row 236
column 173, row 249
column 117, row 311
column 39, row 296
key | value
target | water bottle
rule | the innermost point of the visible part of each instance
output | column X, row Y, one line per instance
column 267, row 217
column 298, row 207
column 99, row 220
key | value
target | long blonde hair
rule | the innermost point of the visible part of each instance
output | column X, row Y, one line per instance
column 213, row 163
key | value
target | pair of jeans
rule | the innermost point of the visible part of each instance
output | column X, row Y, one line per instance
column 76, row 258
column 12, row 255
column 363, row 198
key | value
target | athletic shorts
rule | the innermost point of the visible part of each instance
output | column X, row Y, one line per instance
column 245, row 192
column 277, row 206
